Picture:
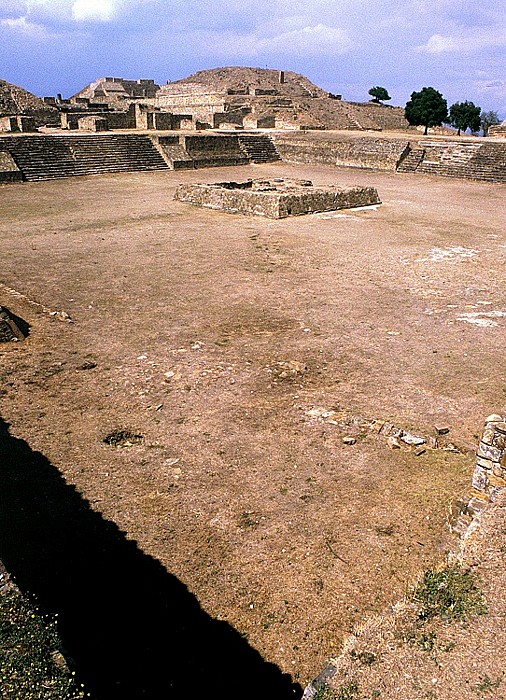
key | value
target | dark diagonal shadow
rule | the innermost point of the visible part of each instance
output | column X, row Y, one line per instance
column 133, row 630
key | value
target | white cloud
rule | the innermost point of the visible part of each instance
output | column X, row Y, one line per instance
column 310, row 40
column 465, row 40
column 93, row 10
column 439, row 44
column 20, row 25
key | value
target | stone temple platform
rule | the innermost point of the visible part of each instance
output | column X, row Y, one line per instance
column 276, row 198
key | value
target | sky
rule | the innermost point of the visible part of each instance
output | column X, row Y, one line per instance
column 344, row 46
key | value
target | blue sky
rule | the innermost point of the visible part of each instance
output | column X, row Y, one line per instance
column 345, row 46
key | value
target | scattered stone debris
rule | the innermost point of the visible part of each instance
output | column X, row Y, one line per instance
column 10, row 330
column 397, row 438
column 393, row 443
column 123, row 438
column 276, row 198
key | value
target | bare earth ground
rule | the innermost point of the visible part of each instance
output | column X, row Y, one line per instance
column 215, row 337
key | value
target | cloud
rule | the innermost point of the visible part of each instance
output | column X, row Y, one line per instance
column 311, row 40
column 28, row 29
column 307, row 41
column 439, row 44
column 94, row 10
column 465, row 40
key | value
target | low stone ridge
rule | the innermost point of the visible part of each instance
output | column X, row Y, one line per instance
column 9, row 327
column 276, row 198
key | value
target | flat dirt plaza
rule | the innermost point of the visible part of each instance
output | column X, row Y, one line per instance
column 243, row 350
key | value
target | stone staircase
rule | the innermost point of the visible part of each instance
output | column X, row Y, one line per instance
column 48, row 157
column 411, row 161
column 476, row 161
column 259, row 148
column 174, row 153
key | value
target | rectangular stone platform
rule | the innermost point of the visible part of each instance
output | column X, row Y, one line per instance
column 276, row 198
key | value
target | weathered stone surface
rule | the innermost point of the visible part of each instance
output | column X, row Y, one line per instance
column 485, row 463
column 488, row 436
column 490, row 469
column 493, row 418
column 488, row 452
column 480, row 478
column 476, row 506
column 276, row 198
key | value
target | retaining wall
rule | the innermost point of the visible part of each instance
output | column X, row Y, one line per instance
column 363, row 152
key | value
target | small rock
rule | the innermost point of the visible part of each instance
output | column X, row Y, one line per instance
column 393, row 443
column 441, row 429
column 493, row 418
column 410, row 439
column 348, row 440
column 419, row 451
column 89, row 364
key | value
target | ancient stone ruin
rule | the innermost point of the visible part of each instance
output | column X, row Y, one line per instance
column 276, row 198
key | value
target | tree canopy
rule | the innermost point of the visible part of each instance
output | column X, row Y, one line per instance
column 426, row 108
column 465, row 115
column 379, row 93
column 487, row 120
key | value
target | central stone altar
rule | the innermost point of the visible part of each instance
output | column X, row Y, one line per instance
column 276, row 198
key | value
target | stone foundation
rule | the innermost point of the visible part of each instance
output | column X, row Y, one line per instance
column 275, row 199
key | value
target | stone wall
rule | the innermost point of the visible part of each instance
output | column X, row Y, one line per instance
column 490, row 470
column 17, row 122
column 477, row 159
column 363, row 152
column 93, row 123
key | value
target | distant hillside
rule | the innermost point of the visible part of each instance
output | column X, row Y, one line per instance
column 291, row 98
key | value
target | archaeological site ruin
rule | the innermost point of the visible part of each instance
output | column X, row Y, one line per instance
column 252, row 391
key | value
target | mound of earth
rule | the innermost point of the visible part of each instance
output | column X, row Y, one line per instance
column 239, row 78
column 17, row 100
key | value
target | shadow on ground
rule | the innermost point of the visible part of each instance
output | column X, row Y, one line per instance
column 133, row 630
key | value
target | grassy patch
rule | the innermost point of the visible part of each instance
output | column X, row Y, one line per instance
column 451, row 593
column 349, row 691
column 31, row 667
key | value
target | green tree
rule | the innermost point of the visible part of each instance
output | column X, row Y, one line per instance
column 379, row 93
column 487, row 120
column 465, row 115
column 426, row 108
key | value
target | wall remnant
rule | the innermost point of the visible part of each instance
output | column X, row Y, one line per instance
column 490, row 470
